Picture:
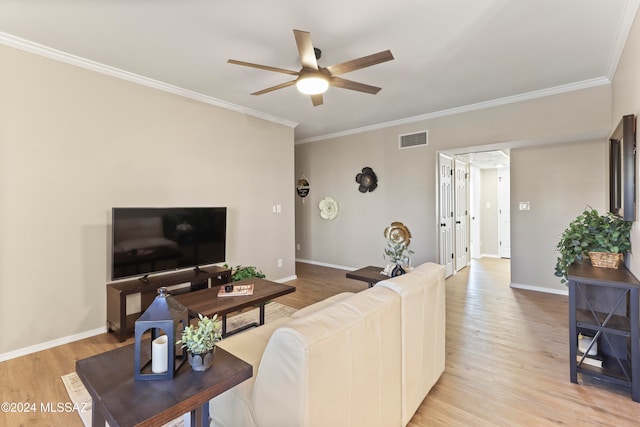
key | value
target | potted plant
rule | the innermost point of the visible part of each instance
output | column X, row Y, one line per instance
column 200, row 341
column 397, row 251
column 595, row 236
column 245, row 272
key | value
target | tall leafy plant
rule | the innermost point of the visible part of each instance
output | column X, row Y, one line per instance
column 591, row 232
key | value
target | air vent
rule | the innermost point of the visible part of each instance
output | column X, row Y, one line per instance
column 411, row 140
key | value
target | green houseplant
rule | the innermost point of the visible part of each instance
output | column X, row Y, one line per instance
column 398, row 253
column 200, row 340
column 245, row 272
column 591, row 232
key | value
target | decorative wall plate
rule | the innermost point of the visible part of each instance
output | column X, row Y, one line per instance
column 367, row 179
column 302, row 187
column 328, row 208
column 397, row 232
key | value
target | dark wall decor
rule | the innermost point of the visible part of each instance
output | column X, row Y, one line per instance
column 622, row 169
column 367, row 179
column 302, row 187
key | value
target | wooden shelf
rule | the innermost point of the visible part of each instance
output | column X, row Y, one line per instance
column 616, row 324
column 122, row 324
column 606, row 303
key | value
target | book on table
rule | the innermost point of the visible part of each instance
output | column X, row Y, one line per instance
column 589, row 359
column 238, row 290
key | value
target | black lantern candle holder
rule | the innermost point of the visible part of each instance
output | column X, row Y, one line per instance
column 163, row 356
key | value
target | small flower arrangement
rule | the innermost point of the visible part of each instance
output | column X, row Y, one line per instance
column 202, row 338
column 398, row 253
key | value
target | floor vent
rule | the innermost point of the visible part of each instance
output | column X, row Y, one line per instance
column 411, row 140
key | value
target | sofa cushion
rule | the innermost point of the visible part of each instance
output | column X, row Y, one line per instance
column 338, row 366
column 321, row 304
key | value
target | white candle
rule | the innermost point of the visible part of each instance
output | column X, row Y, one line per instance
column 159, row 358
column 584, row 342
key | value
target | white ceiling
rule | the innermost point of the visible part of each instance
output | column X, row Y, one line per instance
column 493, row 159
column 449, row 54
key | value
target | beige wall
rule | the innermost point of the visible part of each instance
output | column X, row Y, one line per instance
column 626, row 100
column 559, row 182
column 489, row 212
column 407, row 178
column 75, row 143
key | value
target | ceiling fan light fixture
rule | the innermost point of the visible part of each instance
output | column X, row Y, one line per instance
column 312, row 84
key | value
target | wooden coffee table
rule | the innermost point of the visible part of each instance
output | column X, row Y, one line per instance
column 207, row 303
column 370, row 274
column 123, row 401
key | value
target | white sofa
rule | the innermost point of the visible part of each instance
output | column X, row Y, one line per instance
column 368, row 358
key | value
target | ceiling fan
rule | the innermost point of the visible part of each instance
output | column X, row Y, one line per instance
column 314, row 80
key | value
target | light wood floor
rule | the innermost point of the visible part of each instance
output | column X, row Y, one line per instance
column 507, row 359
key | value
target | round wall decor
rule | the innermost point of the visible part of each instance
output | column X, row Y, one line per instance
column 397, row 232
column 367, row 179
column 328, row 208
column 302, row 187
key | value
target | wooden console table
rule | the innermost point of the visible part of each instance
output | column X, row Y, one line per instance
column 604, row 303
column 122, row 324
column 125, row 402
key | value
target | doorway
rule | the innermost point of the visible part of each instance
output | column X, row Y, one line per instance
column 473, row 203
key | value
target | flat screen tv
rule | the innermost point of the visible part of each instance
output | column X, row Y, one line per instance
column 150, row 240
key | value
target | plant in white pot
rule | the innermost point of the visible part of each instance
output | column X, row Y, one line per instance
column 200, row 341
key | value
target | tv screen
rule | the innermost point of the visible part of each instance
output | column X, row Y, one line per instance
column 149, row 240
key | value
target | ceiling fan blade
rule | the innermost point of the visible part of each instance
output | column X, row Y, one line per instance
column 272, row 88
column 356, row 64
column 305, row 49
column 263, row 67
column 351, row 85
column 317, row 100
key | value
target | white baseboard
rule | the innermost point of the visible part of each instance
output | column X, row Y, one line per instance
column 76, row 337
column 50, row 344
column 539, row 289
column 287, row 279
column 324, row 264
column 489, row 256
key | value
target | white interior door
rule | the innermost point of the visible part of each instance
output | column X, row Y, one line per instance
column 461, row 214
column 504, row 212
column 445, row 215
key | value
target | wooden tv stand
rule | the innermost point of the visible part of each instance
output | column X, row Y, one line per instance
column 123, row 325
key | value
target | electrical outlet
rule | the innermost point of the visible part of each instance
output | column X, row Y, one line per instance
column 297, row 246
column 279, row 262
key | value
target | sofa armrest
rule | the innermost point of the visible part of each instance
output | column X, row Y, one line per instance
column 422, row 294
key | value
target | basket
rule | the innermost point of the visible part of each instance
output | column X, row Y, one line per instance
column 605, row 259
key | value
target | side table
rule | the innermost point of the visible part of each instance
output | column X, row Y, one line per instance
column 605, row 303
column 124, row 402
column 370, row 274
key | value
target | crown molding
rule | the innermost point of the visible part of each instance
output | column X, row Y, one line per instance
column 585, row 84
column 57, row 55
column 624, row 27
